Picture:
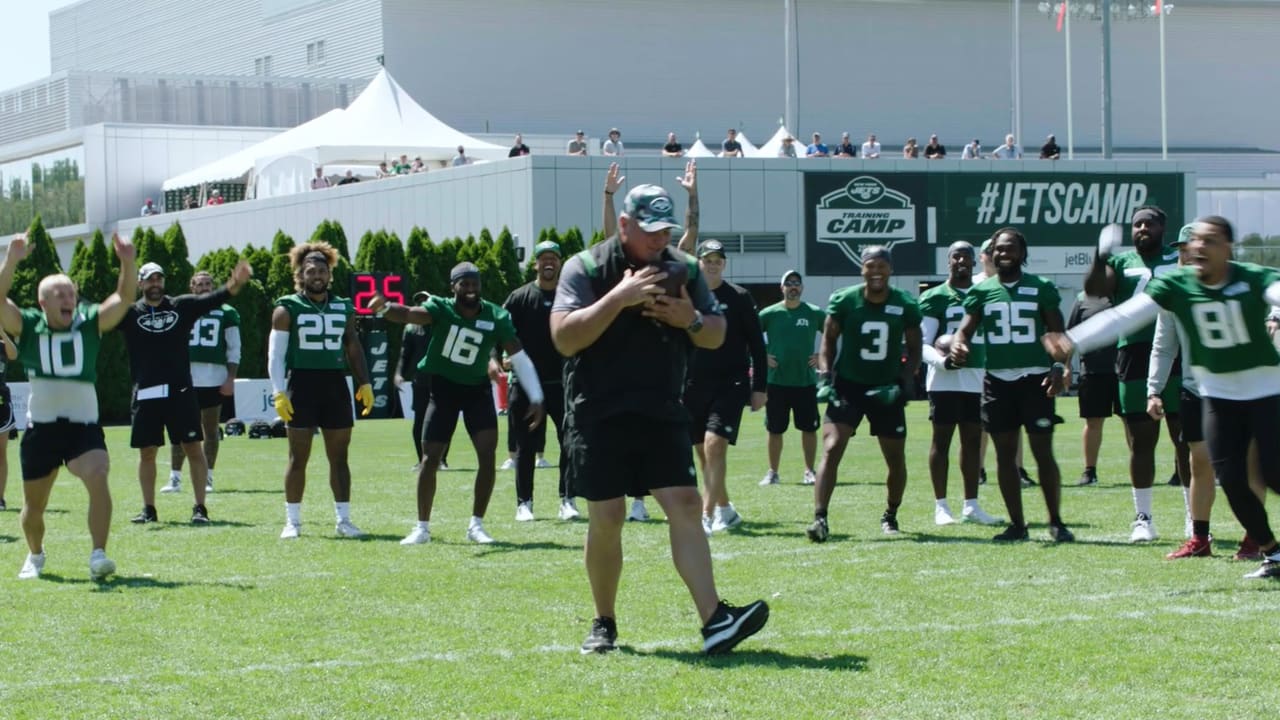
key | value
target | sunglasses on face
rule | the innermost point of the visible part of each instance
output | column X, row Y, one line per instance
column 792, row 283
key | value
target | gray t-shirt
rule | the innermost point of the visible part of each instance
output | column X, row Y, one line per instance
column 612, row 148
column 577, row 146
column 575, row 292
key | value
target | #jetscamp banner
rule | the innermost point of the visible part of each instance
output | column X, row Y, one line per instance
column 918, row 214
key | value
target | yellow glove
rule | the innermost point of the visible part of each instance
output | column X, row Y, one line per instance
column 284, row 407
column 364, row 394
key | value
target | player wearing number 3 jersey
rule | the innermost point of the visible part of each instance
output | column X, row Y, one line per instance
column 313, row 344
column 465, row 331
column 59, row 345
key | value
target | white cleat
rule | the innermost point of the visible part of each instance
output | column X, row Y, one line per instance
column 942, row 515
column 290, row 531
column 980, row 516
column 419, row 536
column 524, row 512
column 100, row 566
column 639, row 512
column 32, row 568
column 1144, row 529
column 476, row 534
column 569, row 510
column 346, row 529
column 809, row 478
column 726, row 518
column 706, row 525
column 507, row 464
column 174, row 485
column 770, row 478
column 542, row 463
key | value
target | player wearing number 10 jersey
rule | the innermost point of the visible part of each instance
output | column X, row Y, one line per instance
column 1012, row 310
column 59, row 345
column 313, row 343
column 465, row 330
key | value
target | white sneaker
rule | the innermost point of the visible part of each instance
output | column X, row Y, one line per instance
column 1144, row 529
column 208, row 483
column 32, row 568
column 706, row 525
column 569, row 509
column 476, row 533
column 524, row 511
column 507, row 464
column 346, row 529
column 810, row 478
column 725, row 518
column 419, row 536
column 174, row 485
column 290, row 531
column 770, row 478
column 639, row 512
column 542, row 463
column 100, row 566
column 976, row 514
column 942, row 515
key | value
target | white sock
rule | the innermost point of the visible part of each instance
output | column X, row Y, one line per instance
column 942, row 505
column 343, row 509
column 1186, row 499
column 1142, row 501
column 97, row 553
column 425, row 525
column 175, row 476
column 209, row 476
column 293, row 513
column 971, row 503
column 475, row 521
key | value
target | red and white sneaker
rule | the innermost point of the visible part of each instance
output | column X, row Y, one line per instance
column 1194, row 547
column 1249, row 550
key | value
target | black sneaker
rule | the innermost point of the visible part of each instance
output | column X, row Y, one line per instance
column 817, row 530
column 1269, row 569
column 3, row 506
column 1088, row 477
column 1174, row 480
column 1059, row 533
column 731, row 625
column 148, row 515
column 1013, row 533
column 889, row 523
column 603, row 637
column 199, row 515
column 982, row 476
column 1025, row 478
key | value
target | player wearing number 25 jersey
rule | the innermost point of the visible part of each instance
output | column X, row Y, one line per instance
column 59, row 345
column 465, row 331
column 313, row 343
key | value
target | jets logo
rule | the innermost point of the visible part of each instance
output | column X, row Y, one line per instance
column 660, row 206
column 158, row 322
column 865, row 212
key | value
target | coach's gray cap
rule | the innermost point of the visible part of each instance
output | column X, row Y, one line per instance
column 148, row 270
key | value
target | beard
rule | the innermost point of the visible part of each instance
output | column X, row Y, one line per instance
column 153, row 293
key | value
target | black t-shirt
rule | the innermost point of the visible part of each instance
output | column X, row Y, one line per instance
column 1103, row 360
column 157, row 337
column 743, row 346
column 348, row 180
column 935, row 149
column 847, row 149
column 1048, row 150
column 673, row 147
column 414, row 347
column 518, row 150
column 731, row 146
column 530, row 308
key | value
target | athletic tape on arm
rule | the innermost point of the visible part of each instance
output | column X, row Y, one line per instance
column 277, row 348
column 1164, row 347
column 1272, row 294
column 232, row 335
column 1107, row 326
column 528, row 377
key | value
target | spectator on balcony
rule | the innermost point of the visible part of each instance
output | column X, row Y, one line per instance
column 871, row 148
column 578, row 145
column 349, row 178
column 149, row 208
column 383, row 172
column 189, row 202
column 816, row 148
column 1008, row 151
column 788, row 148
column 911, row 151
column 613, row 146
column 320, row 182
column 846, row 149
column 1050, row 150
column 418, row 166
column 461, row 158
column 972, row 151
column 518, row 148
column 935, row 150
column 673, row 148
column 215, row 198
column 402, row 167
column 730, row 147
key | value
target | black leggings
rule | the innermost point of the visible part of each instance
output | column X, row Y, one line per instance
column 526, row 440
column 1229, row 425
column 421, row 398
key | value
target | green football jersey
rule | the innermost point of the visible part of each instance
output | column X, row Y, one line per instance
column 1133, row 272
column 946, row 305
column 315, row 332
column 1225, row 327
column 790, row 337
column 1012, row 322
column 871, row 334
column 460, row 347
column 208, row 342
column 70, row 354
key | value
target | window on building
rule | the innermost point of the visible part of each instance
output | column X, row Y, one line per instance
column 315, row 53
column 746, row 242
column 262, row 65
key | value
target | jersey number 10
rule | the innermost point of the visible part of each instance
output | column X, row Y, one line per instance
column 53, row 355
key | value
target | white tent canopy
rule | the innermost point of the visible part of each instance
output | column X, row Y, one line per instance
column 698, row 150
column 381, row 124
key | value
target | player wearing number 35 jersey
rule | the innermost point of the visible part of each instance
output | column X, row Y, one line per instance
column 313, row 344
column 59, row 345
column 465, row 330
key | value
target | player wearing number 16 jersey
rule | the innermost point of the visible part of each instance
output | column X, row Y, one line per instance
column 465, row 330
column 313, row 343
column 1012, row 310
column 59, row 345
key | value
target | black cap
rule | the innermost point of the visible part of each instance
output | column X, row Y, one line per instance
column 710, row 247
column 463, row 270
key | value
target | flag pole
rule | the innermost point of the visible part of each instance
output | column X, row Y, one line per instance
column 1164, row 113
column 1066, row 18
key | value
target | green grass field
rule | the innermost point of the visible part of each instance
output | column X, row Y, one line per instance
column 229, row 621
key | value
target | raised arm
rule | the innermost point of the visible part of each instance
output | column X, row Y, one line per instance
column 399, row 314
column 612, row 181
column 689, row 181
column 113, row 309
column 10, row 315
column 1101, row 280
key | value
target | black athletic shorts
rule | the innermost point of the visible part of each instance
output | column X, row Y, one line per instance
column 787, row 402
column 1098, row 395
column 1192, row 414
column 209, row 397
column 48, row 446
column 1021, row 403
column 853, row 403
column 448, row 399
column 7, row 420
column 179, row 414
column 716, row 407
column 320, row 399
column 951, row 407
column 627, row 455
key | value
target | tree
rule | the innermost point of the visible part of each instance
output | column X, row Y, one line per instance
column 331, row 231
column 571, row 243
column 219, row 263
column 151, row 249
column 178, row 269
column 255, row 324
column 279, row 280
column 504, row 253
column 41, row 261
column 260, row 259
column 420, row 255
column 91, row 272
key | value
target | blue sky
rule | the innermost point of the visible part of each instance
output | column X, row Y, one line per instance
column 27, row 37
